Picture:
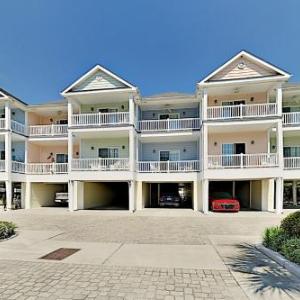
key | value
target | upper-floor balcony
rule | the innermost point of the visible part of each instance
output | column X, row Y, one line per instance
column 168, row 125
column 291, row 119
column 240, row 161
column 168, row 166
column 39, row 168
column 292, row 163
column 100, row 164
column 52, row 130
column 240, row 111
column 100, row 119
column 15, row 126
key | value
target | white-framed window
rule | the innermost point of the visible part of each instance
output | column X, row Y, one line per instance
column 108, row 152
column 61, row 122
column 107, row 110
column 169, row 155
column 233, row 102
column 291, row 151
column 166, row 116
column 61, row 158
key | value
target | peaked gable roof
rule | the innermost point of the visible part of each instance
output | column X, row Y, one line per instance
column 97, row 79
column 244, row 65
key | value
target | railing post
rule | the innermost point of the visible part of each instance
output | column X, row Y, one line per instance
column 241, row 111
column 168, row 124
column 241, row 162
column 168, row 168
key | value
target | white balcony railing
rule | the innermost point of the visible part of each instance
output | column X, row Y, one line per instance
column 169, row 124
column 46, row 168
column 18, row 167
column 2, row 123
column 100, row 164
column 18, row 127
column 261, row 160
column 100, row 119
column 48, row 130
column 241, row 111
column 168, row 166
column 2, row 165
column 292, row 163
column 291, row 119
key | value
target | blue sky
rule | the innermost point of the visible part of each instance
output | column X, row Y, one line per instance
column 159, row 45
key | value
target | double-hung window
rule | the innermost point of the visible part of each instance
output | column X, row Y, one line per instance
column 108, row 152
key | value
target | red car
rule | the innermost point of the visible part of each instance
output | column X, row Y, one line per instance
column 221, row 201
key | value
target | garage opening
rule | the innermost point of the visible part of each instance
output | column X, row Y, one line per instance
column 106, row 196
column 240, row 190
column 168, row 195
column 291, row 194
column 49, row 195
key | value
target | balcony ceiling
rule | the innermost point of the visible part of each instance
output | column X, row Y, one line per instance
column 101, row 133
column 169, row 137
column 239, row 88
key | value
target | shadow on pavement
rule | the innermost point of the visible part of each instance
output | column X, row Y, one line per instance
column 262, row 274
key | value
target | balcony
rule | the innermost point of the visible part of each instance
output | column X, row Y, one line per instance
column 168, row 166
column 2, row 165
column 15, row 126
column 100, row 119
column 292, row 163
column 291, row 119
column 48, row 130
column 39, row 168
column 100, row 164
column 2, row 123
column 242, row 111
column 261, row 160
column 169, row 125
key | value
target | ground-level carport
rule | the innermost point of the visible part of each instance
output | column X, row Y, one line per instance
column 151, row 194
column 252, row 194
column 44, row 194
column 101, row 195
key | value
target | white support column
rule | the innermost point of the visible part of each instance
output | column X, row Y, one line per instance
column 26, row 123
column 71, row 195
column 205, row 147
column 279, row 195
column 8, row 153
column 205, row 204
column 279, row 143
column 70, row 150
column 294, row 192
column 70, row 113
column 279, row 100
column 196, row 195
column 7, row 115
column 27, row 195
column 267, row 194
column 204, row 104
column 132, row 192
column 8, row 190
column 131, row 110
column 139, row 195
column 132, row 150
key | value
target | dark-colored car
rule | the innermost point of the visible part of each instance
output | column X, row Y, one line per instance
column 169, row 200
column 222, row 201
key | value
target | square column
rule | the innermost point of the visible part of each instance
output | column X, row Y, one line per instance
column 279, row 195
column 279, row 100
column 132, row 150
column 196, row 195
column 27, row 195
column 139, row 195
column 132, row 193
column 204, row 104
column 8, row 153
column 70, row 150
column 294, row 192
column 131, row 110
column 205, row 147
column 267, row 195
column 8, row 190
column 279, row 143
column 71, row 195
column 204, row 193
column 7, row 115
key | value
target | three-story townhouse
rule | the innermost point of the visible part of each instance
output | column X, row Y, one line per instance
column 110, row 148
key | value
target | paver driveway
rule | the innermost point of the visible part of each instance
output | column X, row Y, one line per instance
column 146, row 255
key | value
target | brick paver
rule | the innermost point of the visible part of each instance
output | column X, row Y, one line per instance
column 44, row 280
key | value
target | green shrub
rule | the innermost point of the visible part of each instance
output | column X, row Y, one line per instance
column 7, row 229
column 291, row 224
column 291, row 249
column 274, row 237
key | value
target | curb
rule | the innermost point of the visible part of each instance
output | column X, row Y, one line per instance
column 278, row 258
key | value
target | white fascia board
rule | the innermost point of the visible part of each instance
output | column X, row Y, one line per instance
column 96, row 68
column 251, row 57
column 119, row 90
column 241, row 81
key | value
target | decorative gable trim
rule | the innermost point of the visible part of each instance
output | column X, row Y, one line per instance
column 123, row 84
column 273, row 71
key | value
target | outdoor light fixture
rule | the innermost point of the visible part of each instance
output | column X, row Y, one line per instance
column 13, row 113
column 216, row 101
column 92, row 108
column 273, row 147
column 252, row 99
column 184, row 150
column 183, row 113
column 123, row 147
column 154, row 151
column 92, row 148
column 13, row 150
column 215, row 143
column 122, row 106
column 153, row 115
column 252, row 142
column 77, row 153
